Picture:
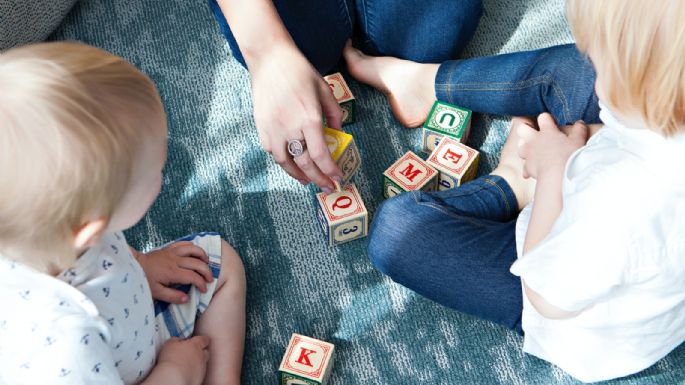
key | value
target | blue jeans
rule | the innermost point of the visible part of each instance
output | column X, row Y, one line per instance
column 426, row 31
column 558, row 80
column 454, row 247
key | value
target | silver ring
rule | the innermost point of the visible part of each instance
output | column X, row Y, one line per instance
column 296, row 147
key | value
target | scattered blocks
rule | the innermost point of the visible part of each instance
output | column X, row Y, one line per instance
column 409, row 173
column 343, row 95
column 307, row 361
column 456, row 163
column 343, row 151
column 445, row 119
column 342, row 215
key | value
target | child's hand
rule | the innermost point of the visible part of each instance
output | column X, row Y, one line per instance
column 179, row 263
column 549, row 148
column 188, row 357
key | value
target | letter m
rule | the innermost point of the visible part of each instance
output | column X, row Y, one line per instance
column 410, row 173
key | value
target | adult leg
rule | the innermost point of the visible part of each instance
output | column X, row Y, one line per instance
column 424, row 31
column 319, row 28
column 558, row 79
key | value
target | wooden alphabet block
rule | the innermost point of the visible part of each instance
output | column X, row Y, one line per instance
column 445, row 119
column 456, row 163
column 307, row 361
column 342, row 215
column 343, row 95
column 344, row 152
column 408, row 173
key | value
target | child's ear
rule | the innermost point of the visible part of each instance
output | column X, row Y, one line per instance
column 89, row 232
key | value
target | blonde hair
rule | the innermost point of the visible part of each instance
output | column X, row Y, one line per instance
column 639, row 52
column 72, row 119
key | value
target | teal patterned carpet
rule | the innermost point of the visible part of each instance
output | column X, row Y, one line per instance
column 217, row 178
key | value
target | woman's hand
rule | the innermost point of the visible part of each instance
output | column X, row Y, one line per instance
column 290, row 101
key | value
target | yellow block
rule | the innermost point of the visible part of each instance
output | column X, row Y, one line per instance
column 337, row 141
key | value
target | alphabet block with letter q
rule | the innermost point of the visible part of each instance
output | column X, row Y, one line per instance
column 307, row 361
column 456, row 163
column 343, row 95
column 342, row 215
column 443, row 120
column 409, row 173
column 343, row 151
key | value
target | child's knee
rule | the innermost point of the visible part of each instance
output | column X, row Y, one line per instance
column 232, row 270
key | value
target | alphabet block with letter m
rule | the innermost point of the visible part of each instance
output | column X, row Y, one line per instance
column 343, row 95
column 342, row 215
column 307, row 361
column 344, row 152
column 443, row 120
column 409, row 173
column 456, row 163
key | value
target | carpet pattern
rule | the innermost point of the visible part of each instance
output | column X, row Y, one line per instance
column 218, row 179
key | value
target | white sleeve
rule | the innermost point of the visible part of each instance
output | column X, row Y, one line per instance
column 74, row 351
column 584, row 257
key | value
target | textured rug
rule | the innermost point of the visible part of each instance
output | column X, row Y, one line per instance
column 217, row 178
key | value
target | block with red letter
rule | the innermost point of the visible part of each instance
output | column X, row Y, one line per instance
column 344, row 152
column 409, row 173
column 343, row 95
column 342, row 215
column 443, row 120
column 456, row 163
column 307, row 361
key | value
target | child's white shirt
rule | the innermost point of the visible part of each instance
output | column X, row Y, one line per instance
column 616, row 252
column 93, row 324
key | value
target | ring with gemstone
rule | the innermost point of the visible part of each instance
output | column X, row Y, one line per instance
column 296, row 147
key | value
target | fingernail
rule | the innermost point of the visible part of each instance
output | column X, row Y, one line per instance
column 303, row 182
column 326, row 189
column 338, row 179
column 581, row 121
column 184, row 299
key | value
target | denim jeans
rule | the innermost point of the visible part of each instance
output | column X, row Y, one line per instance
column 558, row 80
column 454, row 247
column 426, row 31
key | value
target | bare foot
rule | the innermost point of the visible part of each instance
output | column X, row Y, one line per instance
column 510, row 165
column 409, row 86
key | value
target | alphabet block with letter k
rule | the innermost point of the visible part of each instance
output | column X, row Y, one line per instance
column 342, row 215
column 456, row 163
column 443, row 120
column 408, row 173
column 307, row 361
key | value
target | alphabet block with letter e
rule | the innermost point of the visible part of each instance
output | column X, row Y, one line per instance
column 443, row 120
column 344, row 152
column 343, row 95
column 307, row 361
column 456, row 163
column 409, row 173
column 342, row 215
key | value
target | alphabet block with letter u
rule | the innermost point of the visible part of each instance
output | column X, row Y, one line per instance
column 456, row 163
column 342, row 215
column 443, row 120
column 307, row 361
column 409, row 173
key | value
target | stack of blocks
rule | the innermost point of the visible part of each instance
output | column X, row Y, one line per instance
column 307, row 361
column 450, row 162
column 343, row 95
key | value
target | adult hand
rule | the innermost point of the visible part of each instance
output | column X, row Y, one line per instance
column 549, row 148
column 179, row 263
column 187, row 357
column 290, row 101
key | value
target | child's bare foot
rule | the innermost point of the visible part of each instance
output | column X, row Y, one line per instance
column 510, row 165
column 409, row 86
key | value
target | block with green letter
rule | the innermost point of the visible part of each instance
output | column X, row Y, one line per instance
column 307, row 361
column 408, row 173
column 343, row 95
column 443, row 120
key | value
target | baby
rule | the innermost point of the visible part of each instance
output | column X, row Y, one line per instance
column 82, row 147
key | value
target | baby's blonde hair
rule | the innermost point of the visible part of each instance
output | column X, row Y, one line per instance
column 72, row 119
column 639, row 52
